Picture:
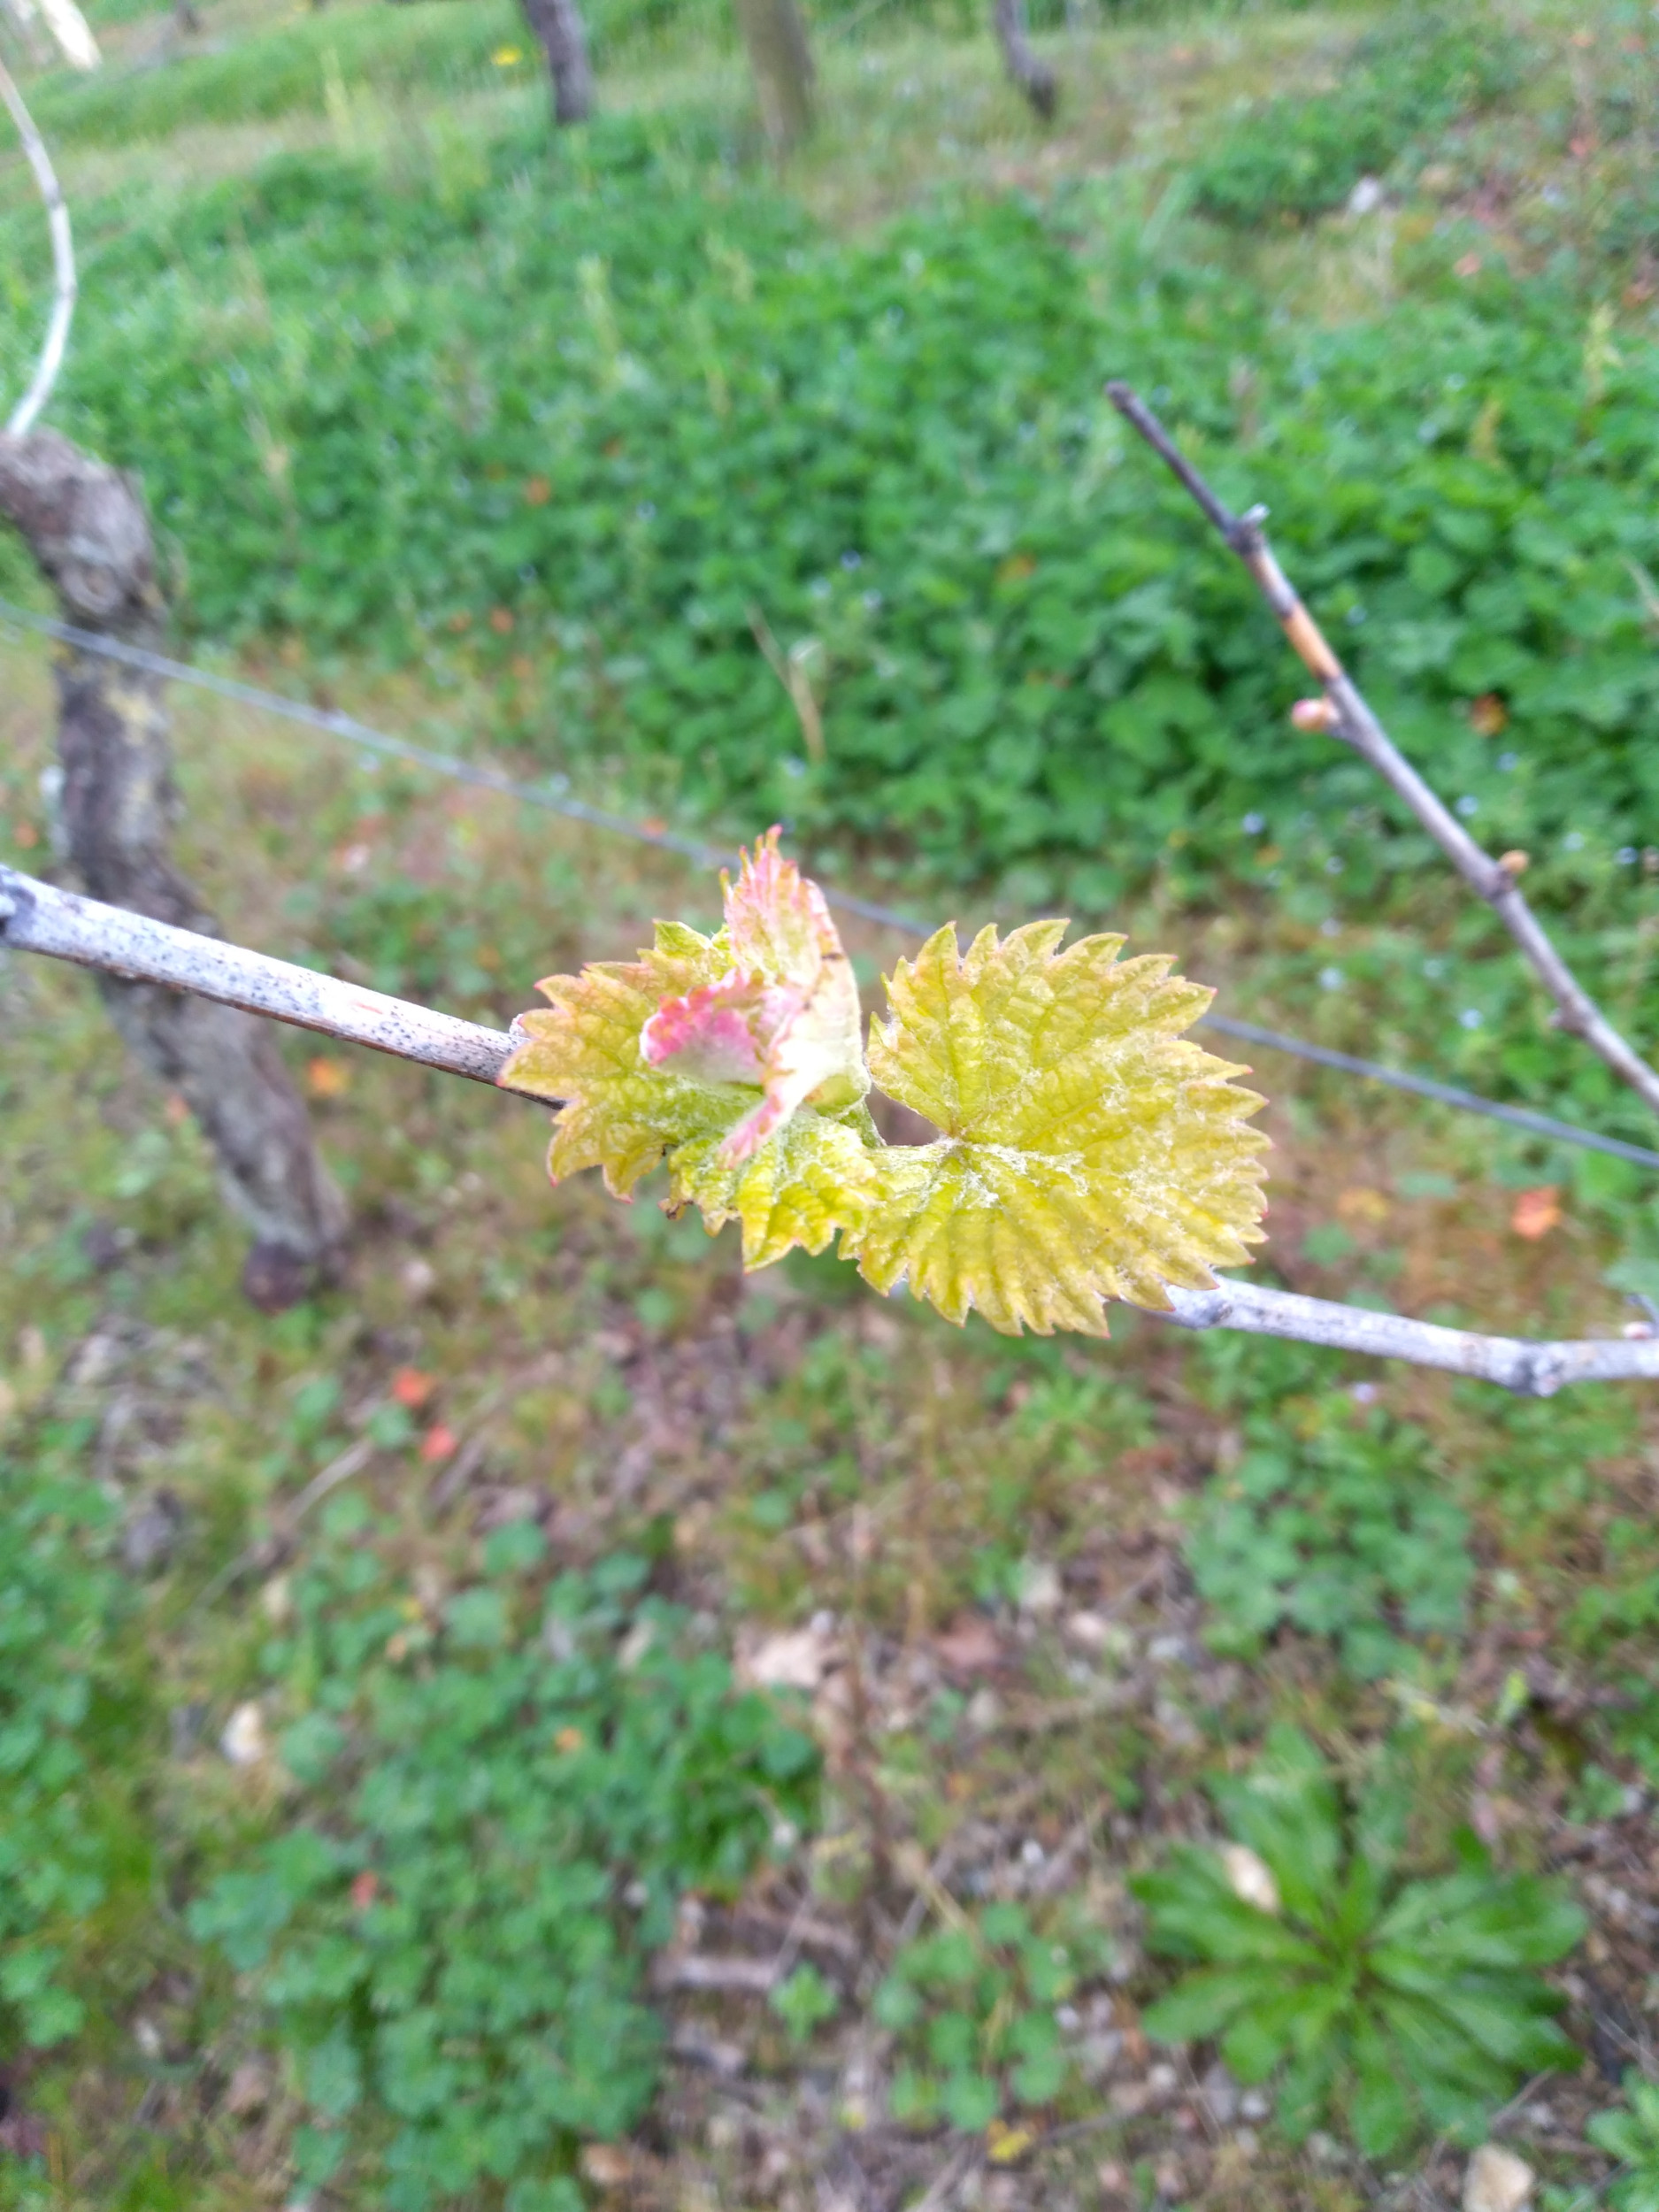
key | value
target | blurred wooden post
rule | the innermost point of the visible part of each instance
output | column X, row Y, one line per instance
column 781, row 63
column 563, row 37
column 85, row 525
column 1033, row 77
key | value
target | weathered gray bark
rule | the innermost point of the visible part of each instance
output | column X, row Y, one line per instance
column 1033, row 77
column 781, row 62
column 85, row 525
column 562, row 38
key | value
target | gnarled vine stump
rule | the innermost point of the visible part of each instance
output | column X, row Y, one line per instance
column 85, row 525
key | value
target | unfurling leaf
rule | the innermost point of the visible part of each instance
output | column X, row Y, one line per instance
column 1087, row 1152
column 785, row 1015
column 737, row 1056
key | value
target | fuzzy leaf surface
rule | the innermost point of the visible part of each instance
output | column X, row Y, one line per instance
column 1088, row 1152
column 616, row 1112
column 735, row 1057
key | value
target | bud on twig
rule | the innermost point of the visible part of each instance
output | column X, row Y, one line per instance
column 1314, row 714
column 1514, row 863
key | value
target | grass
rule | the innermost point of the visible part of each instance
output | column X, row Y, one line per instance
column 1028, row 1595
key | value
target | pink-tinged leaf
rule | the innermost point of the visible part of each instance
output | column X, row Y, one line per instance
column 707, row 1036
column 616, row 1112
column 807, row 1027
column 776, row 920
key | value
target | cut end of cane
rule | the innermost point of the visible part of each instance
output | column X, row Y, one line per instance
column 1314, row 714
column 1514, row 863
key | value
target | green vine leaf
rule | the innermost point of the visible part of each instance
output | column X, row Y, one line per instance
column 1088, row 1152
column 814, row 1177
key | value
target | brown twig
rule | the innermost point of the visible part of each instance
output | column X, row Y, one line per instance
column 1344, row 713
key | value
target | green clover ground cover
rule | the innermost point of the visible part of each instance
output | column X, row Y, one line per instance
column 1341, row 1526
column 506, row 1800
column 623, row 397
column 69, row 1836
column 1300, row 154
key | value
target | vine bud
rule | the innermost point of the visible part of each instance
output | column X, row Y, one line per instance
column 1314, row 714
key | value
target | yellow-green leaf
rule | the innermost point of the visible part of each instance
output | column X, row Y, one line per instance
column 808, row 1179
column 739, row 1056
column 618, row 1113
column 785, row 1017
column 1088, row 1152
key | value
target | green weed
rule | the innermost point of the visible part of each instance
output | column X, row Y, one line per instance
column 69, row 1835
column 1396, row 2004
column 507, row 1794
column 1632, row 2138
column 1336, row 1521
column 1300, row 155
column 973, row 2009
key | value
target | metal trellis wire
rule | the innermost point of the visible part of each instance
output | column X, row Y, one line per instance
column 554, row 795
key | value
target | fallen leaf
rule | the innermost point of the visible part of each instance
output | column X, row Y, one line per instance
column 1249, row 1876
column 1004, row 2145
column 244, row 1742
column 607, row 2165
column 249, row 2090
column 328, row 1078
column 970, row 1646
column 797, row 1659
column 1537, row 1211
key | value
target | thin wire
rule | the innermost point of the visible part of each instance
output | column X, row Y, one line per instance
column 554, row 796
column 1443, row 1093
column 57, row 337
